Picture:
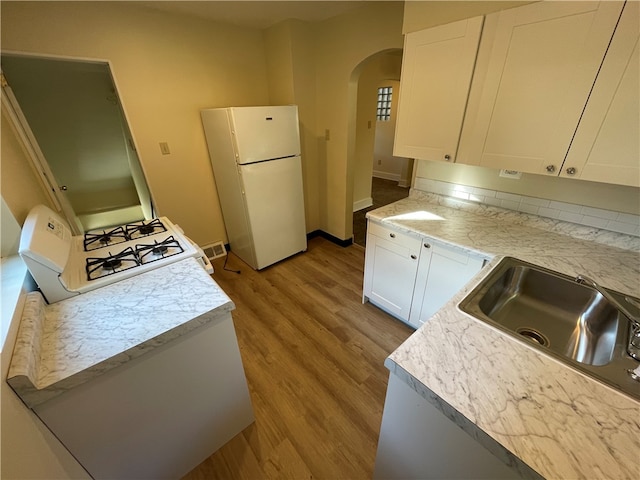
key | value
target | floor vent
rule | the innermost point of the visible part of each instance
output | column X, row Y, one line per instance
column 215, row 250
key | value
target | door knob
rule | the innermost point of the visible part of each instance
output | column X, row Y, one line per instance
column 551, row 168
column 63, row 188
column 571, row 171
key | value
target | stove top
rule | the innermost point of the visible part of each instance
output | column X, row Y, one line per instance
column 64, row 265
column 106, row 256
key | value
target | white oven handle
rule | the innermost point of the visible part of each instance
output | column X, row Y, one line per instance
column 202, row 259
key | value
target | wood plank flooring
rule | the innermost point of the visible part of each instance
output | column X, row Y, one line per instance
column 313, row 356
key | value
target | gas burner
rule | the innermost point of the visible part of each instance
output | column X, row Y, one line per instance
column 148, row 253
column 95, row 240
column 101, row 267
column 111, row 264
column 139, row 230
column 160, row 250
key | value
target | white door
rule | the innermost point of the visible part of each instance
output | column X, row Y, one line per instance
column 54, row 190
column 436, row 74
column 448, row 270
column 543, row 60
column 275, row 206
column 263, row 133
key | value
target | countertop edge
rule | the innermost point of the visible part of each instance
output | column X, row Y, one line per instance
column 34, row 395
column 479, row 435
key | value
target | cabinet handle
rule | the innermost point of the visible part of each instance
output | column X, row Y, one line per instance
column 426, row 245
column 551, row 168
column 392, row 235
column 414, row 257
column 447, row 157
column 571, row 171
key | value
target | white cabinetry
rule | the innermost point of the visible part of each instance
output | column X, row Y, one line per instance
column 418, row 442
column 437, row 67
column 410, row 276
column 537, row 65
column 391, row 263
column 606, row 146
column 441, row 274
column 552, row 89
column 158, row 415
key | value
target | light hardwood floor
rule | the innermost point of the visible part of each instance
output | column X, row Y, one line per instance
column 313, row 356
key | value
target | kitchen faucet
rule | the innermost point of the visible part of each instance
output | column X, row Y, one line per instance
column 633, row 348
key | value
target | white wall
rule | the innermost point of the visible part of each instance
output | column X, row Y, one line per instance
column 342, row 44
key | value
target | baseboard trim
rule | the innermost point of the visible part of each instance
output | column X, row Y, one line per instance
column 362, row 204
column 331, row 238
column 386, row 175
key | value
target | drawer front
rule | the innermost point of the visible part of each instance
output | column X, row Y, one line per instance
column 398, row 238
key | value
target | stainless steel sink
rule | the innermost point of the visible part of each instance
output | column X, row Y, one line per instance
column 552, row 312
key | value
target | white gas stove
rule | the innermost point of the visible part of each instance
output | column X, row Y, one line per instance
column 64, row 265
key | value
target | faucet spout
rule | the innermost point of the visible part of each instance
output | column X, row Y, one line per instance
column 633, row 349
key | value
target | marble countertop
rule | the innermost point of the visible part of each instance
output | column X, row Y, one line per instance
column 65, row 344
column 611, row 259
column 522, row 404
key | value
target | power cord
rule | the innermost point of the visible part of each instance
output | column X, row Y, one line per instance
column 224, row 267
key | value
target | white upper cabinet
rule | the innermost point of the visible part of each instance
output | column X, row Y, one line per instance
column 606, row 147
column 437, row 68
column 536, row 67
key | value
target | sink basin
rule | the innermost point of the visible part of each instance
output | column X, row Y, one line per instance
column 552, row 312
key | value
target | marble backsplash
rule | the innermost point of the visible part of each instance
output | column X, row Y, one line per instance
column 567, row 212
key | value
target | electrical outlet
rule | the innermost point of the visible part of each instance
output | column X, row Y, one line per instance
column 514, row 174
column 327, row 134
column 164, row 148
column 379, row 162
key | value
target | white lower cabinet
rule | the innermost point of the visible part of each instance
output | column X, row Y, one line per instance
column 391, row 264
column 441, row 274
column 417, row 441
column 411, row 276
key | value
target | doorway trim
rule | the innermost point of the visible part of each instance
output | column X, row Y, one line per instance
column 36, row 156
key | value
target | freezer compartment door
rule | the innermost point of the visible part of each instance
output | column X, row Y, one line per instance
column 264, row 133
column 275, row 206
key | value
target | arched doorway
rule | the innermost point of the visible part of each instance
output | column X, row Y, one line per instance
column 378, row 177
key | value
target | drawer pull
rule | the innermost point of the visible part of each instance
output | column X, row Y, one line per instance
column 414, row 256
column 392, row 235
column 426, row 245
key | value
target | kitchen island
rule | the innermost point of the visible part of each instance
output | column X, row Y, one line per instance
column 535, row 413
column 142, row 378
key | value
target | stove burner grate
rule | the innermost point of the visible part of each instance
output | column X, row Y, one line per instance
column 101, row 267
column 151, row 252
column 137, row 230
column 95, row 240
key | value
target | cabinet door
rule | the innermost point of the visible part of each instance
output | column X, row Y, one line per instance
column 391, row 262
column 528, row 96
column 437, row 66
column 606, row 147
column 438, row 280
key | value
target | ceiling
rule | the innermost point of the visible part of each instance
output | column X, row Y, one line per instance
column 256, row 14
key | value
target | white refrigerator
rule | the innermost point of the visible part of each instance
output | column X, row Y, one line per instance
column 255, row 155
